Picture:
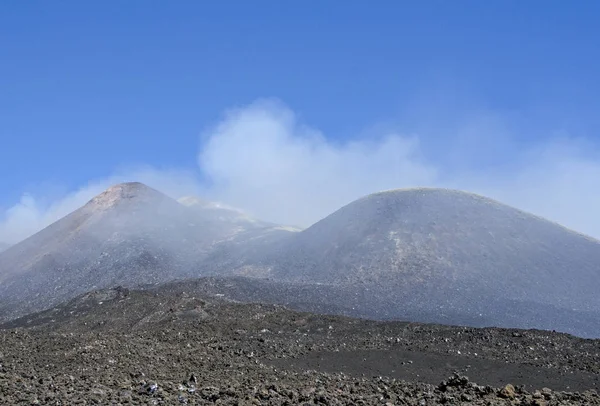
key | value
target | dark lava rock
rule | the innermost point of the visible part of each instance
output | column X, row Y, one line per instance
column 144, row 348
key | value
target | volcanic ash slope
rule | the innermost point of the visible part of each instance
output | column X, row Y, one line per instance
column 450, row 256
column 128, row 235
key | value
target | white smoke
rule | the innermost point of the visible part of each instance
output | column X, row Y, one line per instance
column 262, row 159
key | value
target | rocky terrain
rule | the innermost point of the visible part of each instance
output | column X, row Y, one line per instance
column 174, row 344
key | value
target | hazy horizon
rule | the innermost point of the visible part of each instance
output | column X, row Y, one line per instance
column 295, row 176
column 289, row 114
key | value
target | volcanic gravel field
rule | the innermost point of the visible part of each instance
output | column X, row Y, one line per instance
column 168, row 346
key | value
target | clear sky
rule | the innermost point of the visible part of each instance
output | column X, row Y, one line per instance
column 469, row 94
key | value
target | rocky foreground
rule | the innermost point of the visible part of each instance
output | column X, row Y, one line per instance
column 169, row 346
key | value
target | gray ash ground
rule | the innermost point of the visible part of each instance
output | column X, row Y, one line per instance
column 173, row 345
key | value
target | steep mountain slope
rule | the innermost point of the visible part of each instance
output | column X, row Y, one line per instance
column 3, row 246
column 127, row 234
column 447, row 250
column 130, row 234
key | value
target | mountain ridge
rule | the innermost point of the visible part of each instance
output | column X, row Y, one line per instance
column 482, row 198
column 547, row 266
column 462, row 249
column 129, row 234
column 422, row 251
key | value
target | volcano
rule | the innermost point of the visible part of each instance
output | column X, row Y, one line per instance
column 427, row 255
column 450, row 256
column 128, row 235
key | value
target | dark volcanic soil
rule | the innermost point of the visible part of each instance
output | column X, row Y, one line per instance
column 173, row 345
column 434, row 368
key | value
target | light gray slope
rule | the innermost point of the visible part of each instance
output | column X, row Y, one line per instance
column 3, row 246
column 246, row 243
column 456, row 252
column 128, row 235
column 227, row 215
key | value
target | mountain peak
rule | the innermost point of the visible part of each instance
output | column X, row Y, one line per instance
column 124, row 192
column 427, row 191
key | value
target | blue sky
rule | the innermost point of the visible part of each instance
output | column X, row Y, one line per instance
column 94, row 90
